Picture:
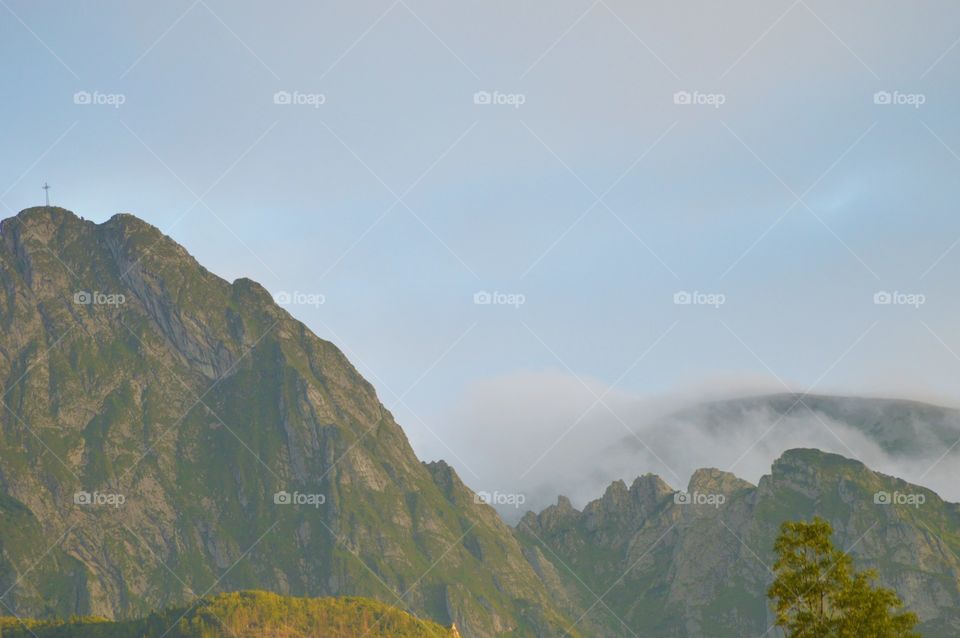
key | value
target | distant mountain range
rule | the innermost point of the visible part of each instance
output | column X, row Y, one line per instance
column 916, row 441
column 167, row 434
column 697, row 563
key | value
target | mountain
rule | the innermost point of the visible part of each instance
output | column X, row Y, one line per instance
column 166, row 434
column 915, row 441
column 900, row 427
column 646, row 560
column 249, row 614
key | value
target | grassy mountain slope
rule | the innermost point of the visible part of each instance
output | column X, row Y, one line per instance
column 248, row 614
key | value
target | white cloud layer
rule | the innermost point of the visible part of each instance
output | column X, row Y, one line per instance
column 541, row 434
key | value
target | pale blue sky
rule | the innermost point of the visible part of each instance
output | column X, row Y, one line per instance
column 295, row 196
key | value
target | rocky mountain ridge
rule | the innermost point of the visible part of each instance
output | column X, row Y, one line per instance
column 696, row 563
column 166, row 433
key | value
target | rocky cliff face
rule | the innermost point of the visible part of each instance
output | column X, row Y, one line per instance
column 695, row 563
column 165, row 433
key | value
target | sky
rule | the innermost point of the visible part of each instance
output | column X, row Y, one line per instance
column 585, row 167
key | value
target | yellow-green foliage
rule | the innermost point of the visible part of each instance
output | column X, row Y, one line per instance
column 248, row 614
column 817, row 592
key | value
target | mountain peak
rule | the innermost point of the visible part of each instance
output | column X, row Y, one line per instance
column 564, row 504
column 42, row 223
column 714, row 481
column 551, row 517
column 648, row 490
column 616, row 492
column 201, row 403
column 130, row 224
column 33, row 213
column 803, row 459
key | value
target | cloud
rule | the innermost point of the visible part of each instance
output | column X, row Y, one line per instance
column 543, row 433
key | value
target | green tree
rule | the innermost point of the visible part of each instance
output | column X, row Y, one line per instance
column 868, row 610
column 818, row 593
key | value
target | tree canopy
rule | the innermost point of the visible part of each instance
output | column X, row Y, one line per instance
column 817, row 593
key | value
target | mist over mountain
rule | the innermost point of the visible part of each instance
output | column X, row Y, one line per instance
column 542, row 434
column 913, row 440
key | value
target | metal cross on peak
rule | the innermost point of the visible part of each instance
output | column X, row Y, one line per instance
column 46, row 193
